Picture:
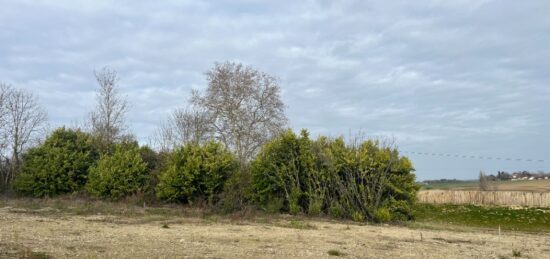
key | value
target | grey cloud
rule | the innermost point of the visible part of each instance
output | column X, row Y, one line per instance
column 441, row 76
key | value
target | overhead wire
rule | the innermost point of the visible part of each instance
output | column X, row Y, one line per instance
column 474, row 157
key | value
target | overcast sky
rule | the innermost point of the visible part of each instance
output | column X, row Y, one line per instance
column 458, row 77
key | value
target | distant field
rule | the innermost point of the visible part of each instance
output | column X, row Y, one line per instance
column 500, row 198
column 532, row 186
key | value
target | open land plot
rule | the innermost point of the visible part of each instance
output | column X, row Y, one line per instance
column 45, row 232
column 523, row 185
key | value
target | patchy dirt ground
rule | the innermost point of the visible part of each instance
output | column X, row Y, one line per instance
column 24, row 232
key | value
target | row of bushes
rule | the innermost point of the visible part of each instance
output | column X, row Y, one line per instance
column 291, row 173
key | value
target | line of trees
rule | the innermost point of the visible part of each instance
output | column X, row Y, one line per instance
column 229, row 149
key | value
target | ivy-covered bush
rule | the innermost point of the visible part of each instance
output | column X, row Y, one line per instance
column 196, row 171
column 328, row 176
column 60, row 165
column 119, row 174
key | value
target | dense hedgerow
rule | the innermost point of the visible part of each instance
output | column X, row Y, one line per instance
column 196, row 171
column 60, row 165
column 295, row 174
column 119, row 174
column 291, row 173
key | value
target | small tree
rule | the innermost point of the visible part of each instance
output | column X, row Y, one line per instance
column 196, row 171
column 58, row 166
column 4, row 91
column 120, row 174
column 108, row 120
column 22, row 120
column 483, row 182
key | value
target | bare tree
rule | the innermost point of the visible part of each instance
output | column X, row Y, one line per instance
column 5, row 90
column 483, row 183
column 24, row 119
column 184, row 126
column 243, row 107
column 108, row 118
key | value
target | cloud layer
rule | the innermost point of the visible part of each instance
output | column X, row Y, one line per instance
column 465, row 77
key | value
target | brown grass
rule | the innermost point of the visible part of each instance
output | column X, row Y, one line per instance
column 530, row 186
column 63, row 234
column 507, row 198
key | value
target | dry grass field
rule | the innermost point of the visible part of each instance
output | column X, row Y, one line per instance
column 49, row 231
column 507, row 198
column 534, row 193
column 532, row 186
column 524, row 185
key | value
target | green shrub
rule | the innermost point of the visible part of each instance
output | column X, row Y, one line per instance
column 334, row 252
column 274, row 205
column 237, row 191
column 119, row 174
column 60, row 165
column 294, row 202
column 315, row 207
column 155, row 165
column 336, row 210
column 382, row 215
column 196, row 172
column 357, row 216
column 332, row 177
column 400, row 210
column 150, row 157
column 280, row 171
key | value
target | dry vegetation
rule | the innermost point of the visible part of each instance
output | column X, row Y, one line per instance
column 39, row 229
column 515, row 198
column 532, row 186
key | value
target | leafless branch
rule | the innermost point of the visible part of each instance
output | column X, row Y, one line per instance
column 243, row 105
column 108, row 118
column 184, row 126
column 23, row 119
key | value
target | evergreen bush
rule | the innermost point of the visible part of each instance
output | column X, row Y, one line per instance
column 119, row 174
column 328, row 176
column 196, row 171
column 60, row 165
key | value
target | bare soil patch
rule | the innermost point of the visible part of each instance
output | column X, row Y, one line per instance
column 62, row 235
